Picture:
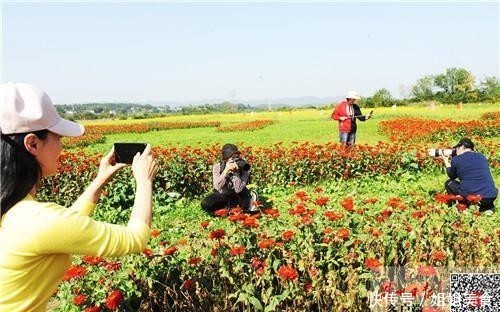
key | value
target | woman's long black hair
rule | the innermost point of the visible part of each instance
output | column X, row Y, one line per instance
column 20, row 169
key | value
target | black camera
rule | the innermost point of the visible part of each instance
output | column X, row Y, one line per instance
column 242, row 164
column 436, row 152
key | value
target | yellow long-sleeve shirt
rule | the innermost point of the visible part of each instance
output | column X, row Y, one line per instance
column 37, row 241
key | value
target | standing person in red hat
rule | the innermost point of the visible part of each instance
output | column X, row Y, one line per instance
column 38, row 238
column 346, row 113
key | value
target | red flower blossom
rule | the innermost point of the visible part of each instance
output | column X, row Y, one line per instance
column 147, row 252
column 287, row 235
column 155, row 233
column 266, row 243
column 333, row 216
column 474, row 199
column 75, row 272
column 250, row 222
column 237, row 250
column 370, row 201
column 328, row 230
column 79, row 300
column 221, row 212
column 394, row 202
column 348, row 203
column 461, row 207
column 204, row 224
column 343, row 233
column 427, row 270
column 302, row 195
column 92, row 260
column 188, row 284
column 237, row 217
column 170, row 251
column 273, row 213
column 287, row 272
column 93, row 309
column 373, row 264
column 322, row 201
column 217, row 234
column 113, row 266
column 439, row 255
column 258, row 265
column 194, row 261
column 114, row 300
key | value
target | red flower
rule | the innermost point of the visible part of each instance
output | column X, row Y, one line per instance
column 217, row 234
column 114, row 300
column 370, row 201
column 394, row 202
column 343, row 233
column 302, row 195
column 322, row 201
column 250, row 222
column 237, row 250
column 348, row 203
column 461, row 207
column 258, row 265
column 93, row 309
column 373, row 264
column 287, row 235
column 194, row 261
column 170, row 251
column 188, row 284
column 328, row 230
column 92, row 260
column 205, row 224
column 113, row 266
column 79, row 300
column 155, row 233
column 273, row 213
column 439, row 255
column 333, row 216
column 287, row 272
column 427, row 270
column 474, row 199
column 75, row 272
column 147, row 252
column 266, row 243
column 221, row 212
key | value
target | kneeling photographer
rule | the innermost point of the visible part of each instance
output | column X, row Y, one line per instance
column 472, row 170
column 230, row 179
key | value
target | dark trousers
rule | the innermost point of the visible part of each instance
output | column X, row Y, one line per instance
column 216, row 201
column 453, row 187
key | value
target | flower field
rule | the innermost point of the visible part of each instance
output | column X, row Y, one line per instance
column 335, row 225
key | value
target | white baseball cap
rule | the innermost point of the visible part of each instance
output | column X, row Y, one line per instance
column 352, row 95
column 26, row 108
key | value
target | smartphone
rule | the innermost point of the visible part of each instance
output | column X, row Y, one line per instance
column 125, row 152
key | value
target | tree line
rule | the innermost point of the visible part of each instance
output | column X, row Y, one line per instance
column 455, row 85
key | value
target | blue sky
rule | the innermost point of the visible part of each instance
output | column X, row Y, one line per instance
column 154, row 51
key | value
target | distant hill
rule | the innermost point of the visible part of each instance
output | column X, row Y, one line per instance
column 286, row 101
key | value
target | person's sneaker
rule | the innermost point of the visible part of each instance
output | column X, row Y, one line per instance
column 253, row 202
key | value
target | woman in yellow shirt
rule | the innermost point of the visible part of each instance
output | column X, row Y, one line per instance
column 37, row 239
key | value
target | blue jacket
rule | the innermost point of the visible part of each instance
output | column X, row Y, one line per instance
column 472, row 170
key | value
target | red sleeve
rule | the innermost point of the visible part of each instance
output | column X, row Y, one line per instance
column 336, row 114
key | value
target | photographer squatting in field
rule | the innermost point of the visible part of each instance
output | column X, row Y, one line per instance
column 37, row 238
column 230, row 179
column 471, row 168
